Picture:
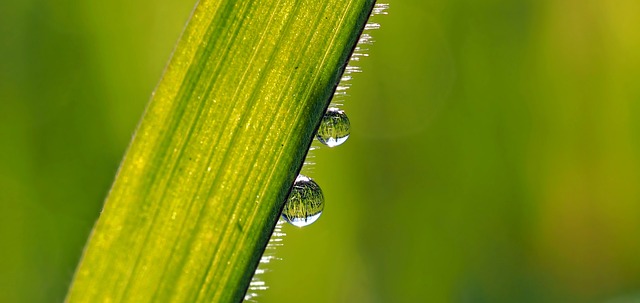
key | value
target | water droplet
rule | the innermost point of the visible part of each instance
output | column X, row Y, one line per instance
column 305, row 203
column 334, row 128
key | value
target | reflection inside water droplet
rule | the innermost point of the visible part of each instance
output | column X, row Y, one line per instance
column 334, row 128
column 305, row 203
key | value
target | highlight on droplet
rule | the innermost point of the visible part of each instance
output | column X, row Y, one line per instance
column 305, row 203
column 334, row 128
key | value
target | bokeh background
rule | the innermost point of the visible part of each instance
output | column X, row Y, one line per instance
column 494, row 156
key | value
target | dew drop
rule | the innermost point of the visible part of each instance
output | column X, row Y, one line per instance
column 305, row 203
column 334, row 128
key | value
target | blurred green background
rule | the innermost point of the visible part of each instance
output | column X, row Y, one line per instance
column 494, row 156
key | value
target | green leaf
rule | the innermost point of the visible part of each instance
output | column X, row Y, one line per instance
column 213, row 159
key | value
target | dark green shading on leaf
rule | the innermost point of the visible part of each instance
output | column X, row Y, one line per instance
column 213, row 159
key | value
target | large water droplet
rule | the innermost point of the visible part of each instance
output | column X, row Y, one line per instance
column 334, row 128
column 305, row 203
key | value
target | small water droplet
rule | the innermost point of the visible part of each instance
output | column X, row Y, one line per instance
column 305, row 203
column 334, row 128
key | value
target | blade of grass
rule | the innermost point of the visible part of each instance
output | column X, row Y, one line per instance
column 213, row 159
